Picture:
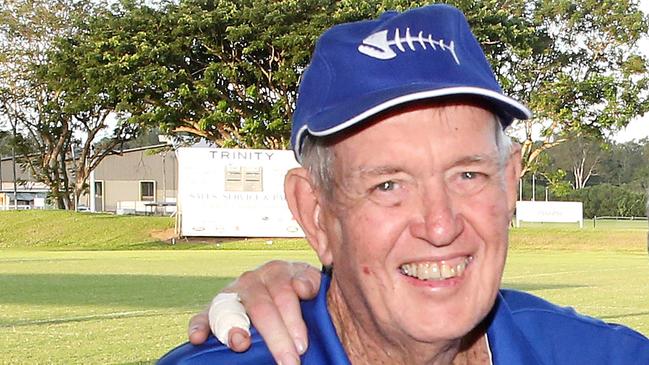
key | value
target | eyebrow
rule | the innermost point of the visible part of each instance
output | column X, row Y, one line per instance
column 474, row 159
column 489, row 160
column 376, row 171
column 390, row 169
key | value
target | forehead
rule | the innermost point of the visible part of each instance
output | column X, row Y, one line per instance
column 423, row 130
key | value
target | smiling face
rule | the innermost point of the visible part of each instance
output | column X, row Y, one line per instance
column 416, row 227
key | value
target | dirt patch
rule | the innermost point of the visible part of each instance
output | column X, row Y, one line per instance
column 168, row 235
column 163, row 234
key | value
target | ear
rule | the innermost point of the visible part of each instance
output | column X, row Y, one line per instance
column 512, row 177
column 305, row 203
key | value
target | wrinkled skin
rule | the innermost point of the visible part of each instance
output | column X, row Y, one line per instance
column 402, row 196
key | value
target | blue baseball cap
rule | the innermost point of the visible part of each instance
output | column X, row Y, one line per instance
column 363, row 68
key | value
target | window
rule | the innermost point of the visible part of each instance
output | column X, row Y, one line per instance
column 233, row 178
column 99, row 196
column 99, row 188
column 147, row 191
column 243, row 178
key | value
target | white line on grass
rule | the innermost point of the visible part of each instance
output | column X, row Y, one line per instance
column 112, row 315
column 571, row 272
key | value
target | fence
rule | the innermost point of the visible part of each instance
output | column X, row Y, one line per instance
column 146, row 207
column 617, row 219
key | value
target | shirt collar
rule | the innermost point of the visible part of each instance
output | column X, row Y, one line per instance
column 324, row 345
column 507, row 343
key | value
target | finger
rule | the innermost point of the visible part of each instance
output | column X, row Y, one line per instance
column 268, row 321
column 287, row 301
column 305, row 283
column 199, row 328
column 306, row 280
column 258, row 289
column 227, row 312
column 238, row 339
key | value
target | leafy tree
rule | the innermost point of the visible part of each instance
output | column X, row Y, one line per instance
column 85, row 103
column 557, row 183
column 28, row 30
column 223, row 70
column 627, row 164
column 580, row 70
column 609, row 200
column 581, row 156
column 621, row 164
column 227, row 70
column 50, row 94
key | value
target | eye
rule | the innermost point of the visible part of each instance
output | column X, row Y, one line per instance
column 385, row 186
column 389, row 193
column 469, row 182
column 469, row 175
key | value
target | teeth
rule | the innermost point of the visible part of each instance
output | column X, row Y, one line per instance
column 424, row 270
column 447, row 271
column 461, row 267
column 434, row 270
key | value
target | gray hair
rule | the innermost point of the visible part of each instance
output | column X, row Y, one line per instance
column 318, row 156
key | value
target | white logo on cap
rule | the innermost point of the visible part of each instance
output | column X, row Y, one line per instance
column 378, row 46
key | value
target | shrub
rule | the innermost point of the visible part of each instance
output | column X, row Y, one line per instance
column 609, row 200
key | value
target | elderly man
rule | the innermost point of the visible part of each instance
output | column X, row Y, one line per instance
column 406, row 190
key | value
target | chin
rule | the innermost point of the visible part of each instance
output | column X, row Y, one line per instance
column 440, row 326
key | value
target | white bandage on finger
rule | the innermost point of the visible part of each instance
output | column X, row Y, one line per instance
column 227, row 312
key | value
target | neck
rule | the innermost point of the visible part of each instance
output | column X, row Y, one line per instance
column 366, row 343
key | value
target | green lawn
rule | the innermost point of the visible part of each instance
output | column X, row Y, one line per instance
column 62, row 230
column 83, row 300
column 57, row 229
column 108, row 307
column 123, row 307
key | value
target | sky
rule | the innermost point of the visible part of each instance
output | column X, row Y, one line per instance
column 639, row 127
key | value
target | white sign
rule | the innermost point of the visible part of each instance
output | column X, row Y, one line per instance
column 234, row 193
column 39, row 203
column 562, row 212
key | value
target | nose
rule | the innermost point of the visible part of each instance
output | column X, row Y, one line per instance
column 436, row 220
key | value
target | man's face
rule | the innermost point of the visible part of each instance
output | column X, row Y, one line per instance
column 417, row 225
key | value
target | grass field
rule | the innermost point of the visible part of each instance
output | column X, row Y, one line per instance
column 109, row 307
column 70, row 302
column 57, row 229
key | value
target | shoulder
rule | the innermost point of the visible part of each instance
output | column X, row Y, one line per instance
column 561, row 330
column 214, row 352
column 527, row 308
column 324, row 346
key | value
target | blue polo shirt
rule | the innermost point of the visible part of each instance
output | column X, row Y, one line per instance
column 522, row 329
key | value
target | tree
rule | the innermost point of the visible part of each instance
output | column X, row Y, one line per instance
column 227, row 70
column 609, row 200
column 5, row 143
column 577, row 65
column 554, row 175
column 50, row 95
column 28, row 30
column 626, row 164
column 223, row 70
column 581, row 156
column 85, row 104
